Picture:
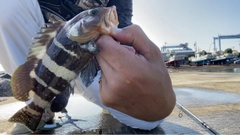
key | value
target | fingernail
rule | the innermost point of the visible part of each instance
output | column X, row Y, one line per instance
column 116, row 30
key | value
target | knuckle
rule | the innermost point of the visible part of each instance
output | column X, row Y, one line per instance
column 106, row 99
column 135, row 26
column 114, row 86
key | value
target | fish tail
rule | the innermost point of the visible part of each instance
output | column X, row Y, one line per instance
column 26, row 117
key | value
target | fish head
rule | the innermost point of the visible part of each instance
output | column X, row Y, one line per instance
column 90, row 24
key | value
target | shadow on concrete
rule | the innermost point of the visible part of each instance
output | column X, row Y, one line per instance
column 109, row 125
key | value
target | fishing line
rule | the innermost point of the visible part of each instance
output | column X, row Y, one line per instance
column 196, row 119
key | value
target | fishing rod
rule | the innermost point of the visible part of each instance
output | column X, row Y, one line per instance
column 202, row 123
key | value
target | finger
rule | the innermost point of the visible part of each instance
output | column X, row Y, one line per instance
column 106, row 68
column 103, row 85
column 113, row 53
column 108, row 46
column 106, row 94
column 129, row 48
column 135, row 36
column 102, row 81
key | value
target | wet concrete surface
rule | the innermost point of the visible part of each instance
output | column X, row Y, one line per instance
column 225, row 122
column 95, row 122
column 223, row 107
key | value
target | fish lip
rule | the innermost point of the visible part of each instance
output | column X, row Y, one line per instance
column 113, row 12
column 111, row 18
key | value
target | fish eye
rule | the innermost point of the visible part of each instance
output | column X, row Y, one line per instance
column 93, row 12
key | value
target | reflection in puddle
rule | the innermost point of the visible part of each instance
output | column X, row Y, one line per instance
column 77, row 103
column 82, row 106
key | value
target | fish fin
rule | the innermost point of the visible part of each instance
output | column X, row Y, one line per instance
column 21, row 81
column 44, row 40
column 89, row 72
column 61, row 100
column 25, row 117
column 90, row 47
column 72, row 84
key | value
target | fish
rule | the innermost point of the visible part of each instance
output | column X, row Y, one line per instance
column 62, row 52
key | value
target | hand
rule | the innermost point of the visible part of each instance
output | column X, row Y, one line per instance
column 136, row 84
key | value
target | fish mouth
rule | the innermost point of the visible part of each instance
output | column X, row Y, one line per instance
column 110, row 20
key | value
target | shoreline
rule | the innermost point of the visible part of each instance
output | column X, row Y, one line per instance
column 202, row 68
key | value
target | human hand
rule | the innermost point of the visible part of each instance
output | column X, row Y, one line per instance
column 136, row 84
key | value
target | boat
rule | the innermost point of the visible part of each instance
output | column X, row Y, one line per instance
column 200, row 59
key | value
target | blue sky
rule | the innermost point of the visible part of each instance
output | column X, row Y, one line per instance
column 181, row 21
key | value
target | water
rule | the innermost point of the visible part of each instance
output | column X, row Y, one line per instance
column 203, row 97
column 8, row 110
column 225, row 70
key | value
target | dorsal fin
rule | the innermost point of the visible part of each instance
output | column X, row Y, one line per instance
column 21, row 81
column 39, row 48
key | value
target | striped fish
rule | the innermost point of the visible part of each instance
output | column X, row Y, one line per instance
column 63, row 51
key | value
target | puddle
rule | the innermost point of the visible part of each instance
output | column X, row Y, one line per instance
column 82, row 107
column 203, row 97
column 9, row 109
column 77, row 103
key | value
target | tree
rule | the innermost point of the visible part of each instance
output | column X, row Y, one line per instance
column 228, row 50
column 204, row 52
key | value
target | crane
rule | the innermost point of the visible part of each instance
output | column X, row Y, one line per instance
column 223, row 37
column 184, row 46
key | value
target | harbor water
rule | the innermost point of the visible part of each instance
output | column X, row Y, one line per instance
column 225, row 70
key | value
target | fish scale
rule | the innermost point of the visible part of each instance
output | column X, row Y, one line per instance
column 62, row 52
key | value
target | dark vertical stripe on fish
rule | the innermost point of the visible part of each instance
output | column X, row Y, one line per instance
column 43, row 73
column 71, row 57
column 46, row 75
column 44, row 92
column 63, row 57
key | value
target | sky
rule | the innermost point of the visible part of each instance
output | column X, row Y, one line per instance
column 188, row 21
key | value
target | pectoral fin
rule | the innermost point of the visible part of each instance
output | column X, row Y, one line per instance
column 61, row 100
column 89, row 72
column 90, row 47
